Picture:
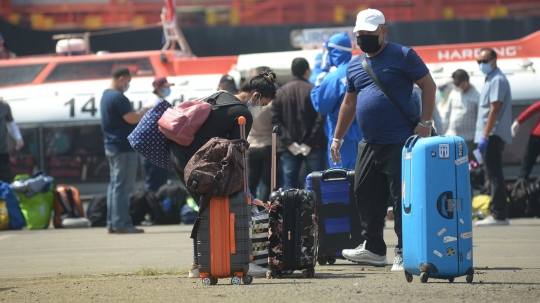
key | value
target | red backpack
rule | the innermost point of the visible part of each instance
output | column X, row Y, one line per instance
column 181, row 122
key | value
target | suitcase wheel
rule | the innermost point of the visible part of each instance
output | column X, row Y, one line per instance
column 424, row 277
column 235, row 281
column 321, row 261
column 451, row 280
column 332, row 261
column 408, row 276
column 206, row 281
column 470, row 278
column 247, row 279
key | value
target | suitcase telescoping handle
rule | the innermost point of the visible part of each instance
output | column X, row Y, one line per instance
column 274, row 159
column 335, row 174
column 411, row 142
column 242, row 122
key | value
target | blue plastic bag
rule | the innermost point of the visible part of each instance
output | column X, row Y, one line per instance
column 16, row 218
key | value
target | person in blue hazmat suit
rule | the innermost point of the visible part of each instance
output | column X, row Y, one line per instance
column 328, row 96
column 320, row 68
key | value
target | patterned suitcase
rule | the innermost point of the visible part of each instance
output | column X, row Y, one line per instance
column 292, row 235
column 292, row 232
column 223, row 242
column 339, row 225
column 437, row 211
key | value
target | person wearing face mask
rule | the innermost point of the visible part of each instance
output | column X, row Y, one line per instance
column 155, row 176
column 300, row 136
column 493, row 133
column 462, row 110
column 223, row 123
column 259, row 155
column 385, row 130
column 328, row 96
column 321, row 67
column 118, row 119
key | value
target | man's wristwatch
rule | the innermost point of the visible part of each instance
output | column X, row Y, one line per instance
column 427, row 123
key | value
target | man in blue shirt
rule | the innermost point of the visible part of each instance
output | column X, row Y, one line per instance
column 385, row 130
column 118, row 119
column 493, row 131
column 328, row 96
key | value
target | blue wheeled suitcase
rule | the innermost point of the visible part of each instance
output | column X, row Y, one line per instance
column 437, row 210
column 338, row 219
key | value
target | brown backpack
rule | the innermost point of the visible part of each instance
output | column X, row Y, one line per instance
column 217, row 168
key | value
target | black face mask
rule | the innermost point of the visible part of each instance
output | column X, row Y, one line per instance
column 368, row 43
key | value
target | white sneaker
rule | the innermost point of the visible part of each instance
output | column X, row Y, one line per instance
column 398, row 260
column 256, row 270
column 364, row 257
column 349, row 252
column 491, row 221
column 194, row 271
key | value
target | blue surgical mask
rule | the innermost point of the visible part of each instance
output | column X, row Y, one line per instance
column 485, row 68
column 166, row 91
column 257, row 103
column 255, row 109
column 126, row 88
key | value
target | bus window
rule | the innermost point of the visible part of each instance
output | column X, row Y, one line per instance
column 98, row 69
column 12, row 75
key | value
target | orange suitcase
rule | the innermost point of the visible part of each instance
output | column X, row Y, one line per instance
column 223, row 240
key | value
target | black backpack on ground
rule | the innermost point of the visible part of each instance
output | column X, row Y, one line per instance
column 171, row 199
column 524, row 199
column 143, row 203
column 97, row 210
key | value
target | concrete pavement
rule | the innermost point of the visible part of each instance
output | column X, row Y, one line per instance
column 53, row 252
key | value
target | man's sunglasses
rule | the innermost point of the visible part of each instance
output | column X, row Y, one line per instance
column 483, row 61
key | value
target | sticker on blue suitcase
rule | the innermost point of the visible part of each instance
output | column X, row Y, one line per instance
column 448, row 239
column 441, row 232
column 462, row 160
column 444, row 151
column 466, row 235
column 450, row 251
column 437, row 253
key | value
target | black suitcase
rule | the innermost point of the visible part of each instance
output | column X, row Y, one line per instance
column 338, row 222
column 292, row 239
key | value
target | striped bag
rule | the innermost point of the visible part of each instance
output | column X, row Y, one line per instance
column 259, row 232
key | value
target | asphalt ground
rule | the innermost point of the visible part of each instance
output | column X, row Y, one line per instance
column 89, row 265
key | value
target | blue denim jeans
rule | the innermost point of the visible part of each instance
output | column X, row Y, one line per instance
column 291, row 164
column 123, row 166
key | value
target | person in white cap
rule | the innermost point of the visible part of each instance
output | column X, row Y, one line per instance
column 385, row 130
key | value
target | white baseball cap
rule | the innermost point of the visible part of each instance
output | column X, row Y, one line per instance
column 368, row 20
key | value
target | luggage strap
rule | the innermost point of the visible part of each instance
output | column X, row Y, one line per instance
column 388, row 93
column 205, row 201
column 68, row 205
